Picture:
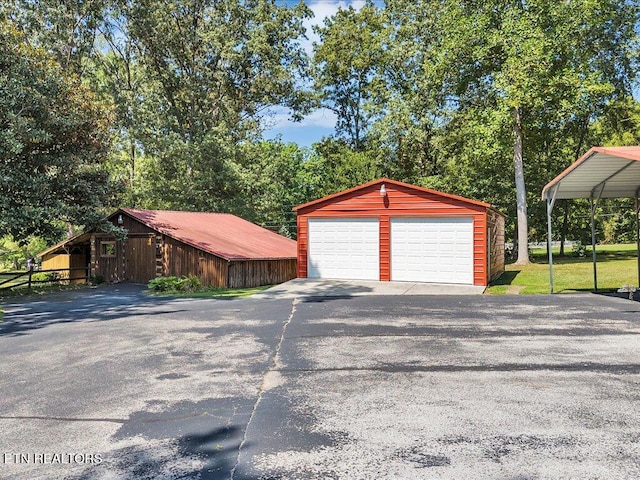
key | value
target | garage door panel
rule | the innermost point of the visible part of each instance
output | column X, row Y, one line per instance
column 344, row 248
column 438, row 250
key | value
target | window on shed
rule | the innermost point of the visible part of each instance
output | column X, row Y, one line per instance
column 107, row 249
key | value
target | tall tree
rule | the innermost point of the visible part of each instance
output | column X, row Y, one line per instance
column 540, row 66
column 347, row 61
column 66, row 28
column 54, row 139
column 212, row 69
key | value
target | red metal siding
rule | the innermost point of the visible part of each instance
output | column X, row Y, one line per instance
column 385, row 248
column 303, row 245
column 401, row 201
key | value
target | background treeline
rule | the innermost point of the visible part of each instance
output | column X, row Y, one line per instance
column 163, row 104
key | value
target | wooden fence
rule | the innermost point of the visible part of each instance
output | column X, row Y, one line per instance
column 54, row 275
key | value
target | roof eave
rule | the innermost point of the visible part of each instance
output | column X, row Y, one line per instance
column 392, row 182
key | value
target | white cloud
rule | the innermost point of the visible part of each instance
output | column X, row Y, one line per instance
column 279, row 118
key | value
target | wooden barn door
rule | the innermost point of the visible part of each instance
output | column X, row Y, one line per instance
column 139, row 259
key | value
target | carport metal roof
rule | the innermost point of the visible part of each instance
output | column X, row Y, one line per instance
column 602, row 172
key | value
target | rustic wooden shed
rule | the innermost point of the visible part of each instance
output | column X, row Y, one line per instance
column 221, row 249
column 389, row 230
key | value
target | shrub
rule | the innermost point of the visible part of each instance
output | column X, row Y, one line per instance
column 45, row 277
column 190, row 284
column 579, row 250
column 175, row 284
column 163, row 284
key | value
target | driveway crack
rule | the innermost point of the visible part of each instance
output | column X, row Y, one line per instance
column 274, row 367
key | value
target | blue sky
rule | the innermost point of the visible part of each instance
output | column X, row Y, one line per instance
column 320, row 123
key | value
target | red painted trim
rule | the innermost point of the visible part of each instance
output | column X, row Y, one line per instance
column 391, row 182
column 303, row 246
column 385, row 248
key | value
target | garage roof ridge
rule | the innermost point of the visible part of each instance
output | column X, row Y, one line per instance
column 397, row 183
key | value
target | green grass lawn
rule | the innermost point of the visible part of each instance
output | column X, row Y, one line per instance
column 617, row 266
column 213, row 293
column 4, row 276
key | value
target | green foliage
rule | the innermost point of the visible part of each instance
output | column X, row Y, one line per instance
column 175, row 284
column 53, row 144
column 424, row 91
column 66, row 29
column 45, row 276
column 347, row 59
column 197, row 77
column 13, row 256
column 579, row 249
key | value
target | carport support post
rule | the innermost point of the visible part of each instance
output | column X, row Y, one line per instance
column 550, row 203
column 593, row 243
column 637, row 211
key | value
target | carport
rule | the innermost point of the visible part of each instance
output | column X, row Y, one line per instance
column 602, row 172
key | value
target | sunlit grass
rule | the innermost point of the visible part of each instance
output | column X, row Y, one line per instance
column 617, row 265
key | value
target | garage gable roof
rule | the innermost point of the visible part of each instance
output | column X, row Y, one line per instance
column 391, row 182
column 602, row 172
column 221, row 234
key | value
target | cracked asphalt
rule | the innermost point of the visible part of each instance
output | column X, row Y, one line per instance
column 112, row 384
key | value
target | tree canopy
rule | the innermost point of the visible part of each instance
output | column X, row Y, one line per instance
column 170, row 100
column 54, row 141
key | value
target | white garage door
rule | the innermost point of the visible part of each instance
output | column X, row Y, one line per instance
column 438, row 250
column 344, row 248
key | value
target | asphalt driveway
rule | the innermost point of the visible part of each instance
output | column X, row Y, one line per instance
column 111, row 384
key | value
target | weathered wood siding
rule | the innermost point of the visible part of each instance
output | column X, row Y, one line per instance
column 400, row 201
column 254, row 273
column 147, row 254
column 495, row 245
column 139, row 258
column 132, row 225
column 111, row 269
column 180, row 259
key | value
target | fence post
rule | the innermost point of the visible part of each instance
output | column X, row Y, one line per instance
column 30, row 273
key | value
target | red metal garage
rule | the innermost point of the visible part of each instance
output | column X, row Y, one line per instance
column 388, row 230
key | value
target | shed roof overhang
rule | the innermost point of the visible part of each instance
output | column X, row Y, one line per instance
column 602, row 172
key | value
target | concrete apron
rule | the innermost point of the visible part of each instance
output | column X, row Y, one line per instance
column 305, row 287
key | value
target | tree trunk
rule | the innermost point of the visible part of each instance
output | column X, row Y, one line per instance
column 521, row 191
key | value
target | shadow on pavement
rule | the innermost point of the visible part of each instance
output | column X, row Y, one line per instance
column 25, row 314
column 206, row 456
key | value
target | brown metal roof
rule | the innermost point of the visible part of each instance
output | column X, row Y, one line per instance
column 221, row 234
column 602, row 172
